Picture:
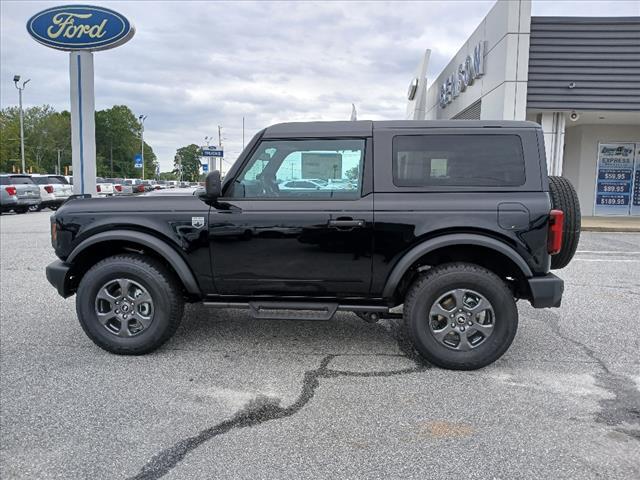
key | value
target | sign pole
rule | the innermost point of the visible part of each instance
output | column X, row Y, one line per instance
column 83, row 129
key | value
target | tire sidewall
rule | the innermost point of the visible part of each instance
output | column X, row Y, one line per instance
column 91, row 284
column 506, row 320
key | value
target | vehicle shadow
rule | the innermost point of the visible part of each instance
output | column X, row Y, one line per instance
column 235, row 330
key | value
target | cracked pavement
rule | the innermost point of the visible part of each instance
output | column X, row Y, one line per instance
column 230, row 397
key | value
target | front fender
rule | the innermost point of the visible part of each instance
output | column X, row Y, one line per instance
column 160, row 247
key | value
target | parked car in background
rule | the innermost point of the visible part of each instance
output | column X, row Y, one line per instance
column 340, row 184
column 175, row 192
column 18, row 193
column 54, row 191
column 104, row 188
column 303, row 184
column 136, row 185
column 120, row 187
column 148, row 185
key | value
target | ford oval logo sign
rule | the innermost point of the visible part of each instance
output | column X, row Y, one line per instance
column 80, row 27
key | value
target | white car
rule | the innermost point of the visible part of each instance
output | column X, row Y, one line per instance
column 120, row 187
column 302, row 184
column 104, row 188
column 340, row 184
column 54, row 191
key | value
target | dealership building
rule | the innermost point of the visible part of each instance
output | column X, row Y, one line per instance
column 578, row 77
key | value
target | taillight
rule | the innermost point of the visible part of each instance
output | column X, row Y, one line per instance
column 48, row 189
column 141, row 188
column 98, row 188
column 554, row 239
column 11, row 190
column 118, row 188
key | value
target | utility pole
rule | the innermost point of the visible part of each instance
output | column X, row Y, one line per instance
column 142, row 119
column 242, row 133
column 16, row 79
column 59, row 170
column 210, row 160
column 220, row 145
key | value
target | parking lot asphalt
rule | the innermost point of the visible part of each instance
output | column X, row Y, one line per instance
column 230, row 397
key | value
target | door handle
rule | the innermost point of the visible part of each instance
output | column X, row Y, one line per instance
column 346, row 223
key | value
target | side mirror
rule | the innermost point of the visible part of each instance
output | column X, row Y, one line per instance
column 213, row 185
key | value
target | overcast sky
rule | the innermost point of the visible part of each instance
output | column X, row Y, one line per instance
column 192, row 66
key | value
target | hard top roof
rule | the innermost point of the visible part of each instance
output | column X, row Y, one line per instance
column 366, row 127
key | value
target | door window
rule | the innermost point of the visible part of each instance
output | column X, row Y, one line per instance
column 305, row 169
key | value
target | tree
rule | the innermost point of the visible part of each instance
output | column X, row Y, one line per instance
column 168, row 176
column 47, row 132
column 117, row 143
column 352, row 173
column 187, row 159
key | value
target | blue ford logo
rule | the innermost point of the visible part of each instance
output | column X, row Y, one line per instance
column 80, row 27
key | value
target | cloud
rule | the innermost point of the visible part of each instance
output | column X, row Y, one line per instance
column 195, row 65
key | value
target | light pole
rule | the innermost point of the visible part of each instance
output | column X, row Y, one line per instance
column 16, row 79
column 210, row 160
column 142, row 118
column 220, row 145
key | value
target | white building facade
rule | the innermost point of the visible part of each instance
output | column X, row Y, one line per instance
column 579, row 77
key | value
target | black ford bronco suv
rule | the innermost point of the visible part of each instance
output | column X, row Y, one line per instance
column 453, row 220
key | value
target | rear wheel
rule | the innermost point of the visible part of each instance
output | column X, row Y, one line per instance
column 565, row 198
column 460, row 316
column 21, row 209
column 129, row 304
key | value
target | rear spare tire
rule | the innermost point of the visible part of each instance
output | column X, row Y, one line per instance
column 565, row 198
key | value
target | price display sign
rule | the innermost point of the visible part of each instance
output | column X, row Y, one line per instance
column 615, row 178
column 635, row 195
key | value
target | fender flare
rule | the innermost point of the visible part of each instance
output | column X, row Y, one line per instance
column 410, row 257
column 159, row 246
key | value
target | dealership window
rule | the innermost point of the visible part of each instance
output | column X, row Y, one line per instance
column 458, row 160
column 305, row 169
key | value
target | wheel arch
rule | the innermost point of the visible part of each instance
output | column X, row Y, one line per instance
column 104, row 244
column 456, row 247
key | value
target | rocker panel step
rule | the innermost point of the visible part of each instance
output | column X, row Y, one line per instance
column 292, row 310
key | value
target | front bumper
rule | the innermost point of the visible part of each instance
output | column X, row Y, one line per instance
column 546, row 291
column 58, row 276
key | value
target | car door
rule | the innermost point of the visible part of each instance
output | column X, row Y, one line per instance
column 306, row 242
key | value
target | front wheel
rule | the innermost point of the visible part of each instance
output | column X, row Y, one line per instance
column 129, row 304
column 460, row 316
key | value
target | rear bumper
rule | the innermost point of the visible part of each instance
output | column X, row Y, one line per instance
column 53, row 203
column 546, row 291
column 20, row 202
column 58, row 276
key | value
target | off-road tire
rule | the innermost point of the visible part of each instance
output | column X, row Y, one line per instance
column 430, row 286
column 565, row 198
column 158, row 281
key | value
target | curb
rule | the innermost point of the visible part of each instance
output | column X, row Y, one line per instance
column 610, row 229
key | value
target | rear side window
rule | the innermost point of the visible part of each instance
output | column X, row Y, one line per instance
column 458, row 160
column 55, row 179
column 19, row 180
column 51, row 180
